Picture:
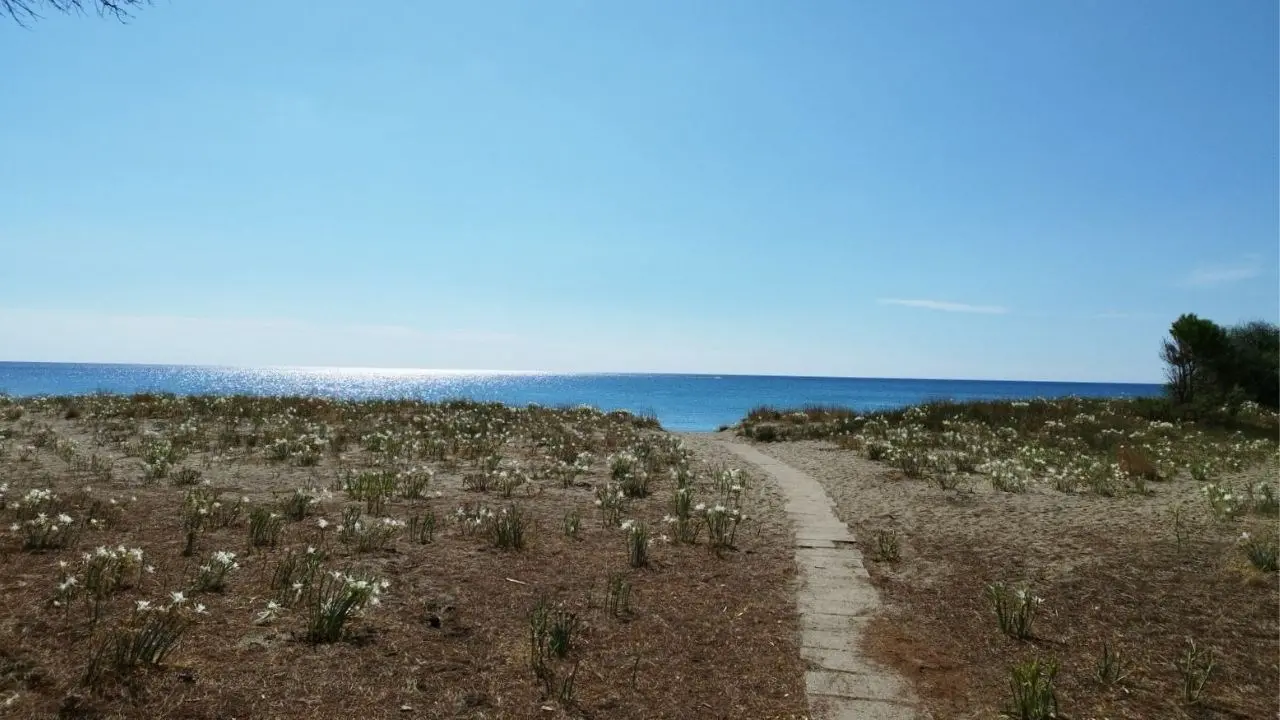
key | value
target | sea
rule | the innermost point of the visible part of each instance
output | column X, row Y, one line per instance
column 680, row 402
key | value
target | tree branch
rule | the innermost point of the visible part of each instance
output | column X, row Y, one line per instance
column 23, row 11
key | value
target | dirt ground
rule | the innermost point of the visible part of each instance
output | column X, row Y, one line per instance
column 1108, row 569
column 707, row 634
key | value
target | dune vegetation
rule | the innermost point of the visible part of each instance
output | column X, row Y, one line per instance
column 1069, row 557
column 287, row 557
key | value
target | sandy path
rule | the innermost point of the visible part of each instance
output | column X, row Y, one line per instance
column 835, row 599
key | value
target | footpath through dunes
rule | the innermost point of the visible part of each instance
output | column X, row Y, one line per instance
column 1141, row 592
column 835, row 599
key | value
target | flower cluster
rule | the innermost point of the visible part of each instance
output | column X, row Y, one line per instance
column 212, row 575
column 46, row 531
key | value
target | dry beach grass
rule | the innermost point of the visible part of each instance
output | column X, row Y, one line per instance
column 532, row 601
column 1128, row 571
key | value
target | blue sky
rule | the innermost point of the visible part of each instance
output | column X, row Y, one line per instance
column 991, row 189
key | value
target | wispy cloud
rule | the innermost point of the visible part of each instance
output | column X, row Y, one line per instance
column 1214, row 275
column 1123, row 315
column 947, row 306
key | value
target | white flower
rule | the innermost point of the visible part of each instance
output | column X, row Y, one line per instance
column 201, row 609
column 322, row 523
column 64, row 518
column 177, row 597
column 143, row 605
column 150, row 569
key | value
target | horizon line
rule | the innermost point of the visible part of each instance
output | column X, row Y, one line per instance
column 458, row 371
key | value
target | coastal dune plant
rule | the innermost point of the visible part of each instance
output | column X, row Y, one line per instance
column 1195, row 666
column 1111, row 667
column 637, row 535
column 509, row 528
column 572, row 524
column 1031, row 685
column 886, row 546
column 47, row 532
column 265, row 527
column 145, row 638
column 422, row 528
column 295, row 573
column 551, row 630
column 1262, row 549
column 334, row 599
column 617, row 595
column 212, row 575
column 1015, row 609
column 611, row 500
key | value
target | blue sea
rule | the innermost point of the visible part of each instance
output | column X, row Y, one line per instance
column 681, row 402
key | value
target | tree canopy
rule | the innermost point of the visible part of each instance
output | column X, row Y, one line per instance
column 1207, row 364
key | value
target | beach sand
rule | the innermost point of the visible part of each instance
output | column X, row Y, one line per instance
column 1108, row 569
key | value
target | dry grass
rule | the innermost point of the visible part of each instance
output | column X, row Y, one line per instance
column 1140, row 568
column 707, row 634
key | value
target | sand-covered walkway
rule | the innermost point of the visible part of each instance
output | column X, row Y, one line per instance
column 835, row 598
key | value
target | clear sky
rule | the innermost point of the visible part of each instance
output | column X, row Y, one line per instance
column 988, row 189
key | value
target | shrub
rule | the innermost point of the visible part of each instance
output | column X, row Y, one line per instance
column 1135, row 464
column 764, row 432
